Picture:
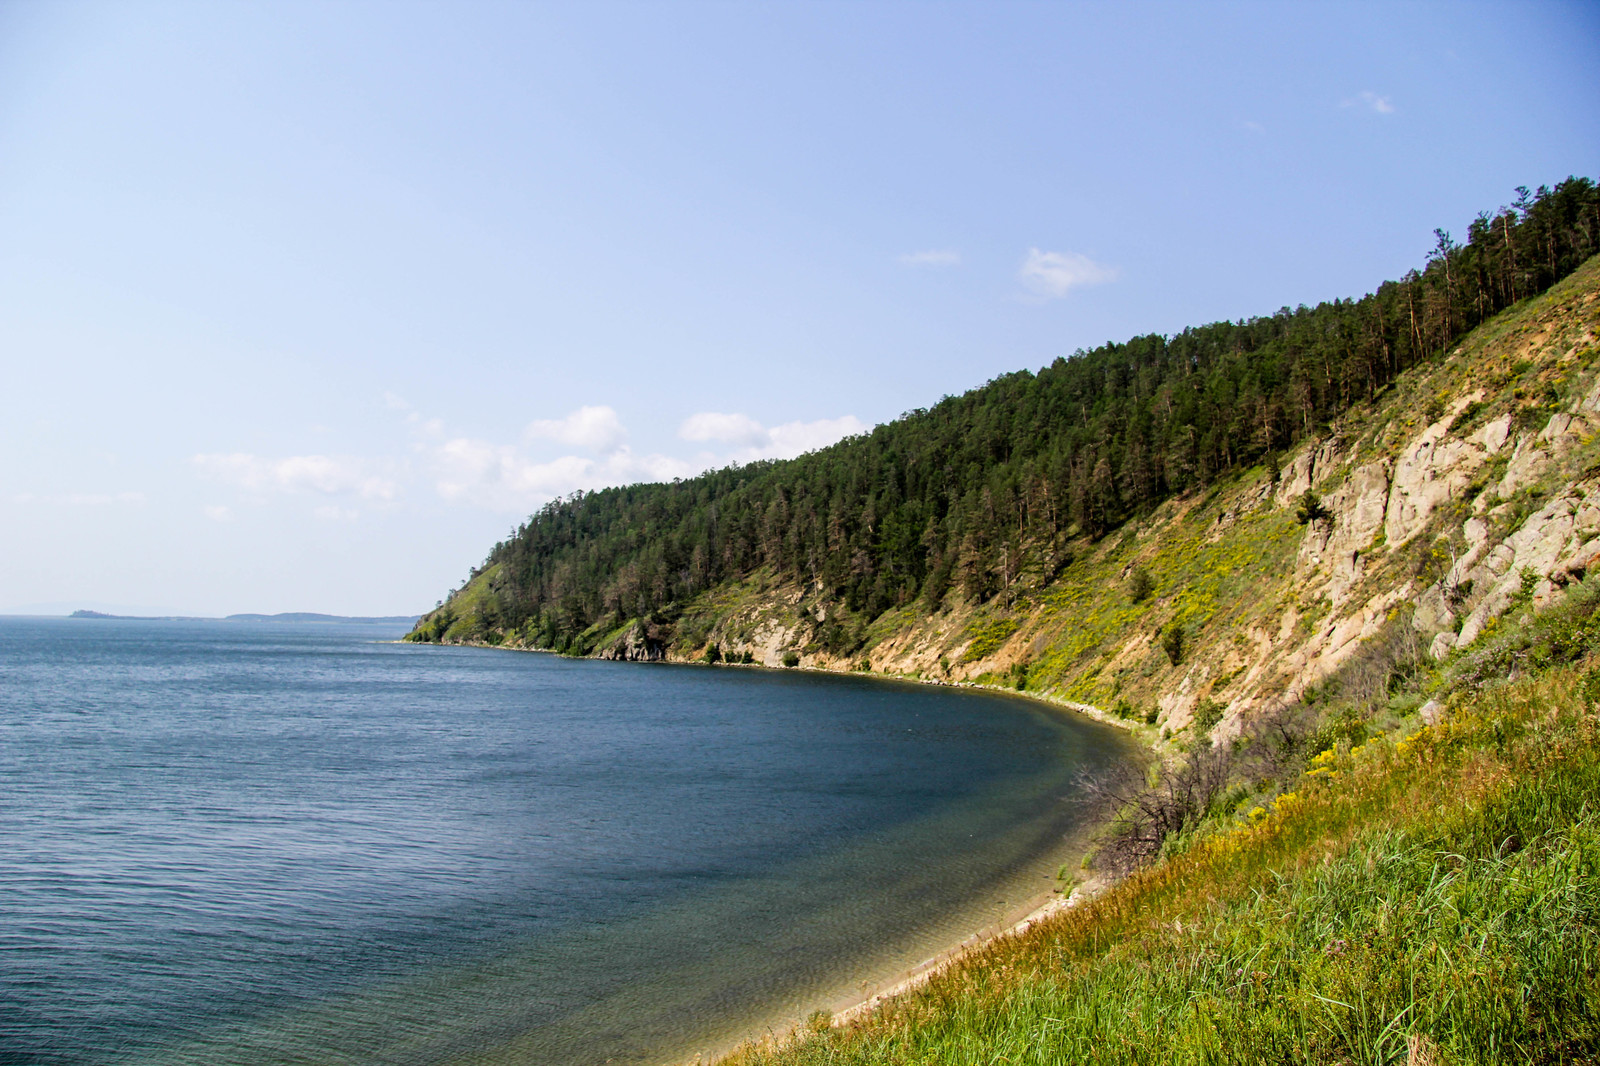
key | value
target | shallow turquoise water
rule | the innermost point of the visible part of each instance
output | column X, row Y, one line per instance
column 231, row 842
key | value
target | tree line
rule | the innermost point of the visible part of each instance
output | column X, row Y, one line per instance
column 967, row 494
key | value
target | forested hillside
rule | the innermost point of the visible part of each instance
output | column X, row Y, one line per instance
column 962, row 499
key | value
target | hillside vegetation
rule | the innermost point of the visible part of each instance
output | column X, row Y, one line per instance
column 970, row 542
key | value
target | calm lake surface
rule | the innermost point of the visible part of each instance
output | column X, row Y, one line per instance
column 275, row 843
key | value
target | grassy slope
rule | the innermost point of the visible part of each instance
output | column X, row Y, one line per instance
column 1429, row 896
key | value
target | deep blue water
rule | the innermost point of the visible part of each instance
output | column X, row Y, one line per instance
column 235, row 842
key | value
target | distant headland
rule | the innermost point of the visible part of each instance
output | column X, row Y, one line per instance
column 291, row 616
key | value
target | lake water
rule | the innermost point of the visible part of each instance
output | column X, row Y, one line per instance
column 274, row 843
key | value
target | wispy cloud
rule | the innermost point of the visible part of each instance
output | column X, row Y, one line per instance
column 501, row 477
column 596, row 428
column 750, row 440
column 1369, row 99
column 796, row 438
column 1250, row 126
column 507, row 477
column 738, row 430
column 330, row 475
column 933, row 257
column 504, row 477
column 1051, row 275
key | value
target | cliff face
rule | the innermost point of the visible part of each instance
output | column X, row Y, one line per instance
column 1468, row 486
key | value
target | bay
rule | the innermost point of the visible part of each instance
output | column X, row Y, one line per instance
column 296, row 842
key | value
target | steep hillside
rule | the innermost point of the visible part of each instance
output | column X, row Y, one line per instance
column 1458, row 492
column 969, row 502
column 1455, row 491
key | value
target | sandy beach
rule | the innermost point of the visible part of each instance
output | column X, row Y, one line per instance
column 858, row 1004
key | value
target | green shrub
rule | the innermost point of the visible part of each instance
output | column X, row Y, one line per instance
column 1310, row 509
column 1140, row 585
column 1172, row 642
column 1527, row 581
column 1206, row 716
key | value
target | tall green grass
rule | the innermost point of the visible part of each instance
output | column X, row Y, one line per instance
column 1424, row 898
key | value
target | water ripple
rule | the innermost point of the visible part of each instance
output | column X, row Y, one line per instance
column 225, row 842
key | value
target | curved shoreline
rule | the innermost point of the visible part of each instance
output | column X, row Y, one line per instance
column 1037, row 907
column 871, row 994
column 1088, row 710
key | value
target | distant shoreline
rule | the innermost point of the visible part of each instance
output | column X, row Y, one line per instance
column 292, row 616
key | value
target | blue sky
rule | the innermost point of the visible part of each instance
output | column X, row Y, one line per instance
column 303, row 306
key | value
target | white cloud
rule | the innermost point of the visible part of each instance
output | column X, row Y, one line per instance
column 751, row 440
column 725, row 429
column 501, row 478
column 1054, row 274
column 1381, row 104
column 596, row 428
column 796, row 438
column 1252, row 127
column 934, row 257
column 509, row 477
column 326, row 474
column 478, row 471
